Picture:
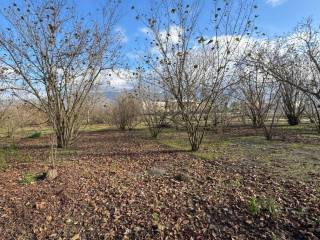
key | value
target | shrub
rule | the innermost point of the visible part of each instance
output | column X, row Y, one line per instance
column 125, row 111
column 35, row 135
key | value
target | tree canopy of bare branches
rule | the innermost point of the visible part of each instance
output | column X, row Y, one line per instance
column 125, row 111
column 155, row 102
column 194, row 69
column 294, row 61
column 54, row 57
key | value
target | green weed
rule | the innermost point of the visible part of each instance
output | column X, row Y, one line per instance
column 35, row 135
column 254, row 206
column 28, row 178
column 269, row 205
column 3, row 162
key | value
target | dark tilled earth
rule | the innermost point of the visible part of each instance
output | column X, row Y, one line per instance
column 118, row 185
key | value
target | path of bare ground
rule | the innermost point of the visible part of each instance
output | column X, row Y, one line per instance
column 105, row 190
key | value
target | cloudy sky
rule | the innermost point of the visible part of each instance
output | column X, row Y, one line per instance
column 275, row 17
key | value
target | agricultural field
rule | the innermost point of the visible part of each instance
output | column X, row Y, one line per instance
column 124, row 185
column 159, row 120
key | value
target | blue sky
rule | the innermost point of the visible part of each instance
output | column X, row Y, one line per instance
column 276, row 16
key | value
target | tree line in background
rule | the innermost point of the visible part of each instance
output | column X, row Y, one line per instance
column 193, row 76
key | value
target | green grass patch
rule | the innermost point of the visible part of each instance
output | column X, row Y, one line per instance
column 253, row 206
column 3, row 161
column 28, row 178
column 280, row 158
column 35, row 135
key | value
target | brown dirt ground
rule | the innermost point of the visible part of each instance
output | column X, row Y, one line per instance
column 104, row 191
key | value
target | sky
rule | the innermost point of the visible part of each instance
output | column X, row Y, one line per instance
column 276, row 17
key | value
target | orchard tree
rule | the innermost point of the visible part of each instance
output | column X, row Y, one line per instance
column 125, row 111
column 313, row 111
column 293, row 100
column 193, row 62
column 4, row 103
column 54, row 57
column 280, row 59
column 261, row 93
column 155, row 102
column 294, row 62
column 307, row 38
column 252, row 95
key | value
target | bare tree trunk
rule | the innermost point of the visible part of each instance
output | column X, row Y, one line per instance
column 63, row 139
column 293, row 120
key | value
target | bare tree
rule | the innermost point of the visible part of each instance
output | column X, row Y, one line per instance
column 155, row 102
column 280, row 59
column 253, row 91
column 261, row 95
column 55, row 57
column 95, row 110
column 195, row 70
column 125, row 111
column 4, row 105
column 307, row 38
column 295, row 61
column 3, row 102
column 293, row 101
column 221, row 114
column 308, row 34
column 155, row 111
column 313, row 111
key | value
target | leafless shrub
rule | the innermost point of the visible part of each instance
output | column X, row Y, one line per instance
column 261, row 96
column 126, row 111
column 17, row 116
column 53, row 58
column 294, row 62
column 155, row 103
column 96, row 109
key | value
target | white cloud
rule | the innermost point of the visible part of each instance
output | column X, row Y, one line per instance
column 144, row 30
column 275, row 3
column 122, row 33
column 173, row 32
column 119, row 79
